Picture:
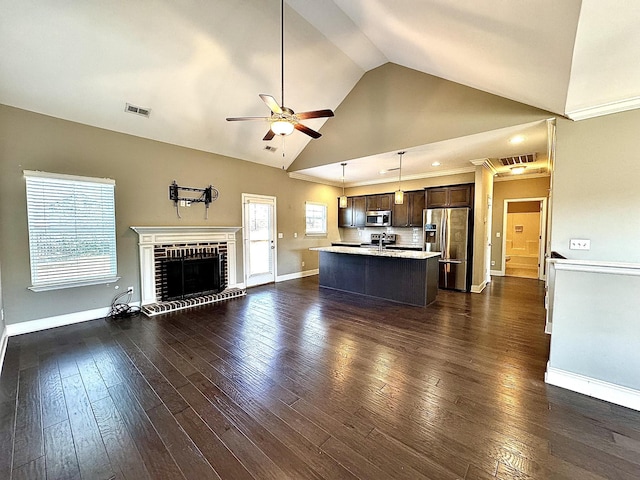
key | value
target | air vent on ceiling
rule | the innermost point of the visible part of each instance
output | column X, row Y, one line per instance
column 269, row 148
column 518, row 159
column 145, row 112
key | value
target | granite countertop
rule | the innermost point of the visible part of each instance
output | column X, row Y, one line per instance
column 373, row 251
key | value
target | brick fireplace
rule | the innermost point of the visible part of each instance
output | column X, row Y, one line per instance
column 157, row 244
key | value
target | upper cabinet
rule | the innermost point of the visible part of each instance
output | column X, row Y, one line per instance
column 382, row 201
column 454, row 196
column 354, row 215
column 409, row 213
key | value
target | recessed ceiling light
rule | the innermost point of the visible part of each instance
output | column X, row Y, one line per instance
column 517, row 139
column 435, row 164
column 518, row 170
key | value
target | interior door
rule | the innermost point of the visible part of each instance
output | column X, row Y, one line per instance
column 259, row 233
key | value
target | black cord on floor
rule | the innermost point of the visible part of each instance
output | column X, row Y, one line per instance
column 122, row 309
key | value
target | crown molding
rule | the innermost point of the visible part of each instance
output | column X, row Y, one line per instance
column 604, row 109
column 418, row 176
column 524, row 176
column 309, row 178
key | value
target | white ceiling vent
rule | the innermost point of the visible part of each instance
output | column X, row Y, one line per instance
column 145, row 112
column 518, row 159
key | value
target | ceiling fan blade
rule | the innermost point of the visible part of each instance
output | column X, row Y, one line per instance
column 271, row 103
column 242, row 119
column 269, row 135
column 307, row 130
column 315, row 114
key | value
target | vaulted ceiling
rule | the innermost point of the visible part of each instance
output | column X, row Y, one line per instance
column 194, row 63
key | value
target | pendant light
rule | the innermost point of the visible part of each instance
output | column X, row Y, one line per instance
column 399, row 195
column 343, row 199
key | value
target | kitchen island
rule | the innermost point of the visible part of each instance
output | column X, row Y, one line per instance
column 402, row 276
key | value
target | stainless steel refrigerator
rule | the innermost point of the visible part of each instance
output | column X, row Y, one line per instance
column 446, row 230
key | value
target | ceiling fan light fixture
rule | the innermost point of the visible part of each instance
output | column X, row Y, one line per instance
column 282, row 127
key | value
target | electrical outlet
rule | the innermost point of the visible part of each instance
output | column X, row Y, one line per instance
column 493, row 263
column 579, row 244
column 303, row 264
column 498, row 234
column 129, row 289
column 280, row 235
column 295, row 235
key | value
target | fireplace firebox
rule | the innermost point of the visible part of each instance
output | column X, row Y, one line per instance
column 192, row 275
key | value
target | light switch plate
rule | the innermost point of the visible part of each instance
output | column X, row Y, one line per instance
column 280, row 235
column 579, row 244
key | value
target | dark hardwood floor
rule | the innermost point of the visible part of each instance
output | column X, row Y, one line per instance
column 297, row 382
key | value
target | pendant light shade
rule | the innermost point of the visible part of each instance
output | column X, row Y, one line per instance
column 343, row 199
column 399, row 195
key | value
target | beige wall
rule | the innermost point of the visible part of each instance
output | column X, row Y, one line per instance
column 511, row 190
column 143, row 170
column 596, row 192
column 483, row 193
column 410, row 185
column 2, row 323
column 392, row 108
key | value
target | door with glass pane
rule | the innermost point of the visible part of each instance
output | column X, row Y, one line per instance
column 259, row 233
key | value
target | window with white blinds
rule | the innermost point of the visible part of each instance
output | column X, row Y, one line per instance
column 72, row 230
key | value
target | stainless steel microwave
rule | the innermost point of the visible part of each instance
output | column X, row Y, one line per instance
column 378, row 218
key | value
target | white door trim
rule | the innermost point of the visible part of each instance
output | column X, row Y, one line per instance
column 255, row 198
column 543, row 233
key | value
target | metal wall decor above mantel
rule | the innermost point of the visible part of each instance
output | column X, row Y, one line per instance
column 207, row 195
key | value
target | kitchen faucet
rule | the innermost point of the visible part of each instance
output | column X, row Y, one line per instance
column 382, row 237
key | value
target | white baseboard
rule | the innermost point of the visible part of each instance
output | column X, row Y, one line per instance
column 478, row 288
column 291, row 276
column 609, row 392
column 497, row 273
column 58, row 321
column 3, row 346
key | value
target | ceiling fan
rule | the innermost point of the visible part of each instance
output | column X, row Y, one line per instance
column 283, row 119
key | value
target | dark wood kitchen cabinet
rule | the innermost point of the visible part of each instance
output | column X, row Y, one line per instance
column 409, row 213
column 454, row 196
column 354, row 215
column 382, row 201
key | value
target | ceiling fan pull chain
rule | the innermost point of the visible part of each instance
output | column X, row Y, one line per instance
column 282, row 51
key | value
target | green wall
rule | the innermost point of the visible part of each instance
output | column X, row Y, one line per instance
column 143, row 170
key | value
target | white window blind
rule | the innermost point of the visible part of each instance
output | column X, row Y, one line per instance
column 316, row 218
column 72, row 230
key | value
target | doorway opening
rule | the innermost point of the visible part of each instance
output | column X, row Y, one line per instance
column 259, row 234
column 524, row 239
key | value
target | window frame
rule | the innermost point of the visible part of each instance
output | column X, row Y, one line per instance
column 325, row 220
column 36, row 184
